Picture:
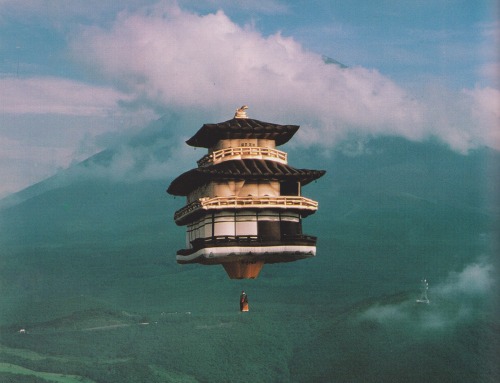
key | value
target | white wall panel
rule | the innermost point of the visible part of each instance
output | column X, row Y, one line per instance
column 224, row 228
column 246, row 228
column 224, row 223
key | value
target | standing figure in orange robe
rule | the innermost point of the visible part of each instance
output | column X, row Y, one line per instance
column 243, row 302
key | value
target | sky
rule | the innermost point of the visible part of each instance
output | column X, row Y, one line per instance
column 76, row 75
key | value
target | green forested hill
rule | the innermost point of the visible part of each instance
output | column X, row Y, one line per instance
column 86, row 261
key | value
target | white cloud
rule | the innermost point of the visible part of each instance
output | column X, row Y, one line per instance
column 174, row 58
column 458, row 298
column 131, row 163
column 45, row 120
column 161, row 58
column 51, row 95
column 475, row 279
column 485, row 112
column 384, row 313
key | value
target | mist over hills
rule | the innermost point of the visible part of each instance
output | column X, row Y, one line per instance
column 94, row 247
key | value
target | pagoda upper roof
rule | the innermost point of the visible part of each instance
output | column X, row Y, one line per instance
column 209, row 134
column 248, row 169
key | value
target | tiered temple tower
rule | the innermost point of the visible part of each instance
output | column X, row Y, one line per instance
column 244, row 202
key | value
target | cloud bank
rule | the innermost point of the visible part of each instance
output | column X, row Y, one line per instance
column 48, row 123
column 52, row 95
column 156, row 152
column 459, row 298
column 162, row 56
column 475, row 279
column 150, row 60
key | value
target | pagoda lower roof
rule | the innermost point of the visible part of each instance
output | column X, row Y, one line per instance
column 248, row 169
column 209, row 134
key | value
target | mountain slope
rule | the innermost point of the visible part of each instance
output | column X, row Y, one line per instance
column 99, row 240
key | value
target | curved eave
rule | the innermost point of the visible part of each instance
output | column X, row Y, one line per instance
column 210, row 134
column 250, row 169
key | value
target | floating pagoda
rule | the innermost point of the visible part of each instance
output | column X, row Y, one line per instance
column 244, row 202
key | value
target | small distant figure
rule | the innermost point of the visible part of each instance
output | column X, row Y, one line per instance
column 243, row 301
column 423, row 296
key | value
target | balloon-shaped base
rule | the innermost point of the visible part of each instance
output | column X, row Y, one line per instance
column 243, row 270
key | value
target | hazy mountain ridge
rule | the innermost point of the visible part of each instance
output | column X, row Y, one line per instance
column 417, row 189
column 85, row 247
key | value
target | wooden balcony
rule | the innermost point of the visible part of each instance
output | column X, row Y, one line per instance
column 308, row 206
column 243, row 152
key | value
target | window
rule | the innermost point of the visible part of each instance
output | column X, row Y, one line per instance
column 290, row 188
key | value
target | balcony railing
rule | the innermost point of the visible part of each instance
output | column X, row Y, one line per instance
column 242, row 153
column 219, row 203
